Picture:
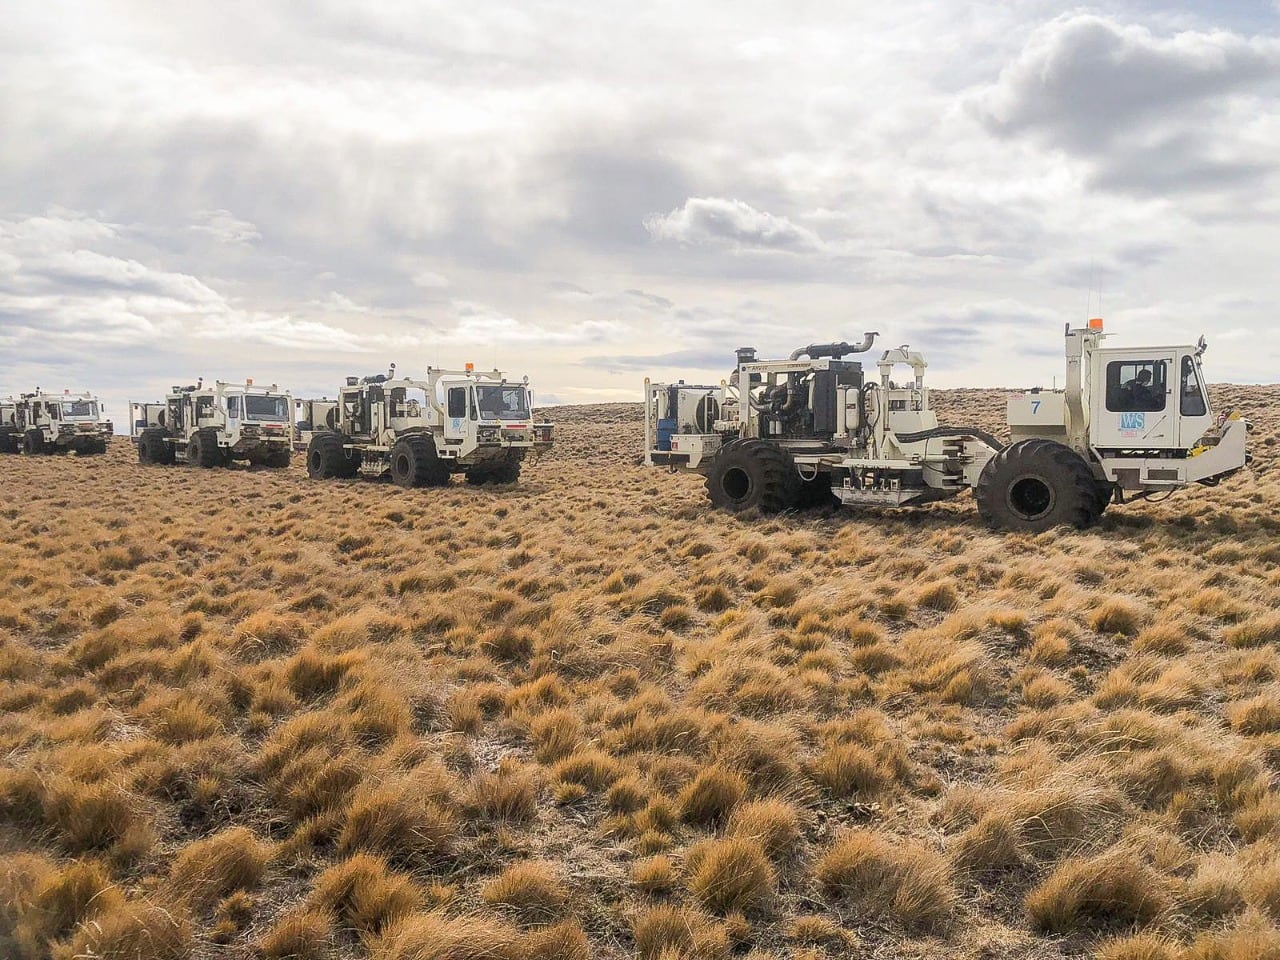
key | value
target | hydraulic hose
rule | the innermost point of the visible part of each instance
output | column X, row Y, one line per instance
column 982, row 435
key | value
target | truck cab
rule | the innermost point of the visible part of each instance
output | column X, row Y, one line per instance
column 422, row 431
column 61, row 422
column 483, row 412
column 1148, row 399
column 217, row 424
column 1141, row 417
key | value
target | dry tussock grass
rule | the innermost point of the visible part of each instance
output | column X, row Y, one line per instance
column 586, row 717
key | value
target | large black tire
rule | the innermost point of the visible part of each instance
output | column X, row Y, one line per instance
column 753, row 474
column 33, row 443
column 9, row 442
column 95, row 447
column 1036, row 485
column 202, row 450
column 153, row 449
column 414, row 463
column 277, row 458
column 327, row 460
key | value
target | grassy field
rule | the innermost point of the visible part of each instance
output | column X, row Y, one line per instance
column 247, row 715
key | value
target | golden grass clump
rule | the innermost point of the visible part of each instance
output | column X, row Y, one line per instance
column 1214, row 891
column 136, row 931
column 363, row 894
column 209, row 869
column 533, row 891
column 773, row 823
column 893, row 880
column 711, row 796
column 1258, row 630
column 850, row 769
column 730, row 875
column 588, row 767
column 556, row 734
column 1112, row 890
column 815, row 930
column 267, row 634
column 655, row 875
column 404, row 818
column 626, row 795
column 78, row 892
column 1139, row 946
column 676, row 932
column 90, row 816
column 1257, row 715
column 437, row 936
column 563, row 941
column 1252, row 939
column 1262, row 880
column 508, row 794
column 1118, row 616
column 301, row 933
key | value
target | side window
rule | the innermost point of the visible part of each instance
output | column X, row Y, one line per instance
column 457, row 401
column 233, row 407
column 1134, row 385
column 1192, row 403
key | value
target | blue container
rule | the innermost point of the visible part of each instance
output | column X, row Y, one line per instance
column 666, row 427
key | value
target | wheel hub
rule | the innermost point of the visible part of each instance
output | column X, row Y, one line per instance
column 736, row 483
column 1031, row 497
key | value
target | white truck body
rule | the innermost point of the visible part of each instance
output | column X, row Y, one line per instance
column 233, row 421
column 56, row 423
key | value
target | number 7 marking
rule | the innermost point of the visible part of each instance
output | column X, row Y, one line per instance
column 1035, row 407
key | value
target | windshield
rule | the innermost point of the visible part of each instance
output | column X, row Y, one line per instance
column 502, row 402
column 74, row 409
column 257, row 407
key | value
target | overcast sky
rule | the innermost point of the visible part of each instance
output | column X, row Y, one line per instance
column 588, row 192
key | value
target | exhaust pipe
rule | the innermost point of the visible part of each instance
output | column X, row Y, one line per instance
column 835, row 350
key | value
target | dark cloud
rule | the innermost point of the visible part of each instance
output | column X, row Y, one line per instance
column 1088, row 79
column 1155, row 114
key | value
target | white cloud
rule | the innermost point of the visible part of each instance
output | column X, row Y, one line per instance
column 330, row 185
column 716, row 220
column 225, row 228
column 341, row 303
column 428, row 280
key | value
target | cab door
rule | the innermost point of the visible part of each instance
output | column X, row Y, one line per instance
column 456, row 403
column 1195, row 415
column 1138, row 409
